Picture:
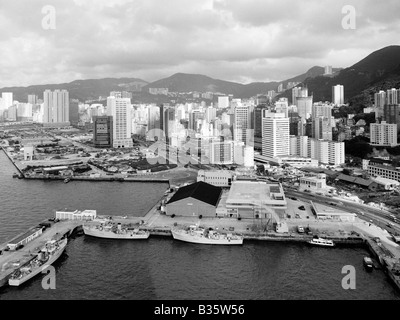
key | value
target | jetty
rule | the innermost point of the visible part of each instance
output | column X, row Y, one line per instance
column 11, row 260
column 20, row 172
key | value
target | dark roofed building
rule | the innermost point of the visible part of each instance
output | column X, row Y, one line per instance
column 197, row 199
column 369, row 184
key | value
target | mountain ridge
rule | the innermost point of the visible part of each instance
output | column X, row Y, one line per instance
column 380, row 69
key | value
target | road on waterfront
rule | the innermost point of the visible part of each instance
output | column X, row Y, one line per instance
column 378, row 217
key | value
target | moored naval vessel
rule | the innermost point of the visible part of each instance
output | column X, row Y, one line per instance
column 114, row 231
column 197, row 234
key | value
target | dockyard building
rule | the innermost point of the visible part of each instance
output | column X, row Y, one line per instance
column 197, row 199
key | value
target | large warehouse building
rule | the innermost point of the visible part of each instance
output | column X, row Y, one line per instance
column 197, row 199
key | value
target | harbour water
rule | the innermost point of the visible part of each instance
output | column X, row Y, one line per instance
column 161, row 268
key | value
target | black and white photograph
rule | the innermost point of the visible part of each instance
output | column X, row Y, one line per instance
column 199, row 157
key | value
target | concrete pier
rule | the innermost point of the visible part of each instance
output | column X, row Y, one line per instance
column 12, row 260
column 13, row 162
column 387, row 259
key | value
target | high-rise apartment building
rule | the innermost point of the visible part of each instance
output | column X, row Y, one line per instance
column 383, row 134
column 194, row 120
column 380, row 101
column 211, row 114
column 74, row 112
column 32, row 99
column 328, row 70
column 326, row 152
column 322, row 128
column 242, row 131
column 120, row 110
column 282, row 106
column 168, row 123
column 299, row 92
column 223, row 102
column 391, row 114
column 392, row 96
column 275, row 135
column 56, row 106
column 338, row 95
column 103, row 131
column 304, row 107
column 6, row 100
column 221, row 152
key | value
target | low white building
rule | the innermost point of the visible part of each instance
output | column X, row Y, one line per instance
column 328, row 213
column 254, row 199
column 313, row 182
column 29, row 152
column 387, row 184
column 24, row 238
column 218, row 178
column 76, row 215
column 297, row 162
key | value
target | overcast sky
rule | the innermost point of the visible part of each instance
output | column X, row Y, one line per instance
column 236, row 40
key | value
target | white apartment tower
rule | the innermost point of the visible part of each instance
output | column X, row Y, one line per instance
column 299, row 92
column 223, row 102
column 338, row 95
column 383, row 134
column 380, row 101
column 7, row 100
column 242, row 124
column 327, row 152
column 275, row 135
column 304, row 107
column 56, row 106
column 120, row 110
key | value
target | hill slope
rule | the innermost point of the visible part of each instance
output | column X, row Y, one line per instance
column 80, row 89
column 379, row 70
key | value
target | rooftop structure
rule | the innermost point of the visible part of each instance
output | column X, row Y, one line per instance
column 370, row 184
column 249, row 198
column 24, row 238
column 76, row 215
column 329, row 213
column 200, row 190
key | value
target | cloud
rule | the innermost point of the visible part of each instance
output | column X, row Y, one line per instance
column 236, row 40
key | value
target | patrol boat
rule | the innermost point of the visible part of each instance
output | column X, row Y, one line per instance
column 197, row 234
column 112, row 231
column 51, row 251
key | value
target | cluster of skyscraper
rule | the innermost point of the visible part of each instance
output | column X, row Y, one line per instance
column 53, row 109
column 227, row 133
column 303, row 129
column 387, row 114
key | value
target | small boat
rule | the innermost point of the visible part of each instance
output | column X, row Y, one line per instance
column 368, row 264
column 67, row 180
column 114, row 231
column 196, row 234
column 321, row 242
column 51, row 251
column 15, row 175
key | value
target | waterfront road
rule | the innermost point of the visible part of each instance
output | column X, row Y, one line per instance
column 376, row 216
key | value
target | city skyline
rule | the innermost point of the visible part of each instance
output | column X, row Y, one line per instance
column 151, row 40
